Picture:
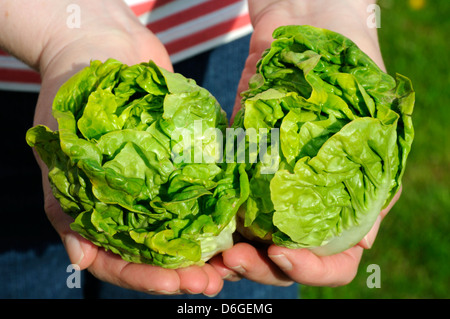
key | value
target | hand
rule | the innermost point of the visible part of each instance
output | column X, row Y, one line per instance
column 282, row 266
column 63, row 55
column 278, row 265
column 109, row 267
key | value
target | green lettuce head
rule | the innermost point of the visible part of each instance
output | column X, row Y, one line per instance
column 345, row 131
column 136, row 162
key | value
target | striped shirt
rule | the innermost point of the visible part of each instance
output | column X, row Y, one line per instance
column 185, row 27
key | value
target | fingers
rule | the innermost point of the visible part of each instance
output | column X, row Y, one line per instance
column 80, row 251
column 302, row 266
column 153, row 279
column 225, row 273
column 277, row 266
column 248, row 262
column 200, row 280
column 112, row 268
column 145, row 278
column 282, row 266
column 369, row 239
column 392, row 203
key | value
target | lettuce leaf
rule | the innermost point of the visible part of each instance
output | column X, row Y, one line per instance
column 116, row 165
column 345, row 132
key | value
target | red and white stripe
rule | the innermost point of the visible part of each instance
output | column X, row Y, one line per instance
column 189, row 27
column 185, row 27
column 16, row 75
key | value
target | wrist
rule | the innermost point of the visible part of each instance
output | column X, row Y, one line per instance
column 317, row 11
column 61, row 60
column 105, row 32
column 107, row 29
column 38, row 32
column 74, row 54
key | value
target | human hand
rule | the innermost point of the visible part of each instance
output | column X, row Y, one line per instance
column 278, row 265
column 117, row 35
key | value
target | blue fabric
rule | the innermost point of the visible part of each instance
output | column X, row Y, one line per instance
column 39, row 271
column 243, row 289
column 34, row 263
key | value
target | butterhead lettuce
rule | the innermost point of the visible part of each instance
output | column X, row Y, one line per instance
column 137, row 157
column 345, row 131
column 113, row 168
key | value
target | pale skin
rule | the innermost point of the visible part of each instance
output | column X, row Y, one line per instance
column 36, row 32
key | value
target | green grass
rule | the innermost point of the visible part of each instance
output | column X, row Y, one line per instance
column 413, row 244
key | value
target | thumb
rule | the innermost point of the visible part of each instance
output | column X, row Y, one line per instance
column 81, row 252
column 369, row 239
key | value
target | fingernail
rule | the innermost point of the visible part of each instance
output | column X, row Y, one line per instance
column 239, row 269
column 163, row 292
column 211, row 296
column 369, row 239
column 73, row 249
column 282, row 262
column 368, row 242
column 190, row 292
column 232, row 277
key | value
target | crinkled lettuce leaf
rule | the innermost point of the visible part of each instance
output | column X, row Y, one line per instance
column 345, row 132
column 134, row 161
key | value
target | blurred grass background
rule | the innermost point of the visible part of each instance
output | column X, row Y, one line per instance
column 413, row 244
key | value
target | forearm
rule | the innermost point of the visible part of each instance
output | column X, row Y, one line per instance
column 23, row 28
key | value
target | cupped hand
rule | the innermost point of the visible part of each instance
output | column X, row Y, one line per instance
column 58, row 63
column 111, row 268
column 278, row 265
